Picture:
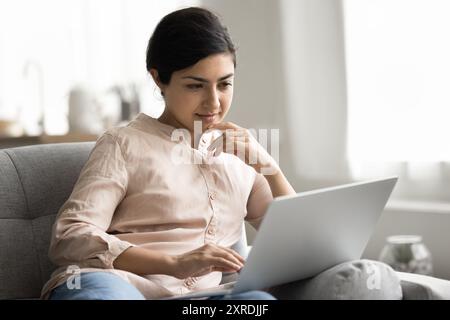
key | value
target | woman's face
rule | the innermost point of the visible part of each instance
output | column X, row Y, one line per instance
column 202, row 92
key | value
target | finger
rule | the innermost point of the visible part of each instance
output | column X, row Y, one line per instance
column 224, row 126
column 240, row 148
column 227, row 135
column 228, row 141
column 224, row 263
column 220, row 252
column 236, row 254
column 238, row 138
column 219, row 269
column 223, row 253
column 221, row 139
column 236, row 133
column 216, row 143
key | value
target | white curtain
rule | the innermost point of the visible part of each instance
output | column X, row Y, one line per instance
column 314, row 72
column 398, row 79
column 367, row 93
column 48, row 46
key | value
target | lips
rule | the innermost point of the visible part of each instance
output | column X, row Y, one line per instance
column 206, row 114
column 209, row 117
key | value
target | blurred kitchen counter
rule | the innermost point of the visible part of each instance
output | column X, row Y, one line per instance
column 12, row 142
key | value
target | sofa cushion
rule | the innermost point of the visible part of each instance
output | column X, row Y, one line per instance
column 12, row 198
column 420, row 287
column 359, row 279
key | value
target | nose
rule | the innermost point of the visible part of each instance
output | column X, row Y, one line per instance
column 213, row 100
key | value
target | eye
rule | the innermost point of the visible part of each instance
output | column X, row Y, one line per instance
column 194, row 86
column 225, row 84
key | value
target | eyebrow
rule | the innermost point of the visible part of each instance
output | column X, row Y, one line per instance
column 206, row 81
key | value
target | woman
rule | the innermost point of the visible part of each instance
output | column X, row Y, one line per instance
column 140, row 224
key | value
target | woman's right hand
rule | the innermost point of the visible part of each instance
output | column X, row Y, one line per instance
column 206, row 259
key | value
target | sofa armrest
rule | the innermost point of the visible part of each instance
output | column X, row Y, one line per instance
column 420, row 287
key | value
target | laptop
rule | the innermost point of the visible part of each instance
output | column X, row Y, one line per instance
column 304, row 234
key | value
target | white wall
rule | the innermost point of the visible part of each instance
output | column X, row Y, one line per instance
column 316, row 94
column 291, row 75
column 260, row 94
column 432, row 226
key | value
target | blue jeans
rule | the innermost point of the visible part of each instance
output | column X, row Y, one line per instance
column 108, row 286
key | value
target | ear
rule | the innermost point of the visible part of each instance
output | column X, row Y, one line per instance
column 155, row 76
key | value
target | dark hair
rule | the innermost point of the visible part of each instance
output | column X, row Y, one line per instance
column 184, row 37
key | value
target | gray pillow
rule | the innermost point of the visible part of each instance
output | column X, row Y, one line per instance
column 359, row 279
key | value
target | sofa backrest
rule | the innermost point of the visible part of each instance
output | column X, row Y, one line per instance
column 35, row 181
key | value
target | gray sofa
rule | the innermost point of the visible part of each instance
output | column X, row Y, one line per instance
column 34, row 183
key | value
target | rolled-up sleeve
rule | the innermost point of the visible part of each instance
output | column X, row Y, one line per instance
column 258, row 201
column 79, row 234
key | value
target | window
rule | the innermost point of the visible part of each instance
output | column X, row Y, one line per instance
column 49, row 46
column 398, row 73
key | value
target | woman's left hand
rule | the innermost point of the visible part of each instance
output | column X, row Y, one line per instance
column 240, row 142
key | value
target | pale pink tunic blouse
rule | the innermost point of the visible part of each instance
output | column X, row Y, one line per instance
column 131, row 192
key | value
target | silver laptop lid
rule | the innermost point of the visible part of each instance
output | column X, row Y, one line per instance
column 307, row 233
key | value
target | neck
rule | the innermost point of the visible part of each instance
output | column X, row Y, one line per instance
column 167, row 118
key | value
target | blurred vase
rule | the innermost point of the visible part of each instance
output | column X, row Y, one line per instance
column 407, row 253
column 84, row 112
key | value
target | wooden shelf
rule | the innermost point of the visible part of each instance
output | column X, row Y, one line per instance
column 72, row 137
column 11, row 142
